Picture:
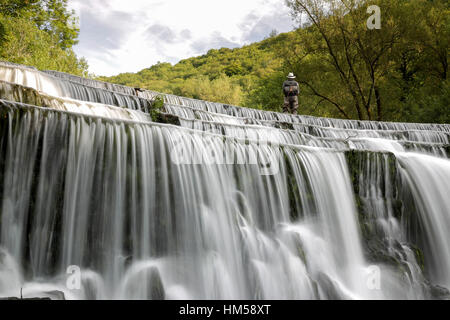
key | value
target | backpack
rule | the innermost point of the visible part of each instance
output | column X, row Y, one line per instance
column 292, row 91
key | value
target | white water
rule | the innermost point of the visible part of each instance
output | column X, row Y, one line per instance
column 429, row 178
column 152, row 211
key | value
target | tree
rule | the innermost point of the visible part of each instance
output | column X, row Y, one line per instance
column 15, row 8
column 398, row 73
column 54, row 17
column 39, row 33
column 51, row 16
column 355, row 54
column 26, row 44
column 361, row 65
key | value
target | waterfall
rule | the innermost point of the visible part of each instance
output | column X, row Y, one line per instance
column 429, row 178
column 226, row 203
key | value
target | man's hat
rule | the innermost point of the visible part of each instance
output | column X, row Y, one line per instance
column 291, row 76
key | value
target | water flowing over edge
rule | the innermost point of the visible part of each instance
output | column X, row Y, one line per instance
column 192, row 211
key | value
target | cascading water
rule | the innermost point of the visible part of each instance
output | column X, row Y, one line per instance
column 228, row 203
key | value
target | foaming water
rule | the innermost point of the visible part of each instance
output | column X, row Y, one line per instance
column 429, row 178
column 234, row 203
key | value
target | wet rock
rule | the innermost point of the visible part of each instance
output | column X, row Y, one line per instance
column 330, row 288
column 155, row 289
column 439, row 293
column 55, row 295
column 284, row 125
column 447, row 150
column 167, row 118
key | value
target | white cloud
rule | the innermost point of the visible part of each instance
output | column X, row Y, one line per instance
column 128, row 36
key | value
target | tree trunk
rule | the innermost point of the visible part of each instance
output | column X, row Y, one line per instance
column 378, row 100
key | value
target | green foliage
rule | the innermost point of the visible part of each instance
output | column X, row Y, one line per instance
column 40, row 34
column 15, row 8
column 425, row 104
column 53, row 17
column 362, row 67
column 225, row 75
column 234, row 69
column 388, row 74
column 398, row 73
column 157, row 107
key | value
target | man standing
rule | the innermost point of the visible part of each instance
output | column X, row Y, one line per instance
column 291, row 91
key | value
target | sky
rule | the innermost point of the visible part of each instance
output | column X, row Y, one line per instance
column 130, row 35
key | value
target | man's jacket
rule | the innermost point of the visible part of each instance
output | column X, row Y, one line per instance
column 290, row 88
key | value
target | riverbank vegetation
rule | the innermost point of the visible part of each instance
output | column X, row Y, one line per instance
column 345, row 70
column 40, row 33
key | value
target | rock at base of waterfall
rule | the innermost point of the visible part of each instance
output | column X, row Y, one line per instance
column 155, row 290
column 439, row 293
column 330, row 288
column 168, row 118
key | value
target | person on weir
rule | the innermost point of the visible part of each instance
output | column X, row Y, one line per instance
column 291, row 91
